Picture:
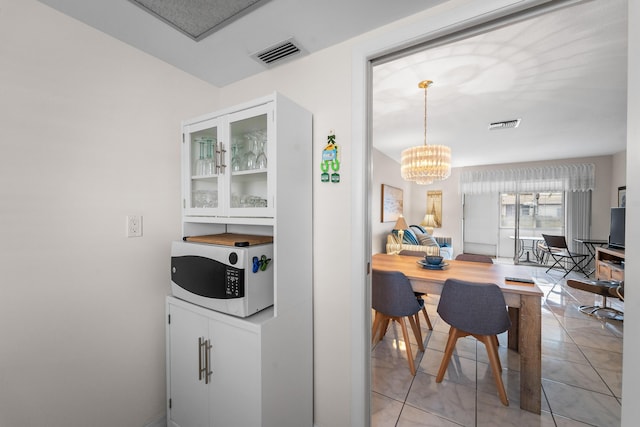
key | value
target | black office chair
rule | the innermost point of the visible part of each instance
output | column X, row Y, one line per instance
column 392, row 298
column 559, row 252
column 604, row 288
column 476, row 309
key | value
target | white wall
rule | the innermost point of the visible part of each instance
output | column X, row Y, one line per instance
column 631, row 354
column 618, row 175
column 387, row 171
column 89, row 133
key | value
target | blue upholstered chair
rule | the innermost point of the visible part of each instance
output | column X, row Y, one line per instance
column 419, row 295
column 392, row 298
column 479, row 310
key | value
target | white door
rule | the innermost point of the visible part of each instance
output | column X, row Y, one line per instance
column 188, row 391
column 235, row 380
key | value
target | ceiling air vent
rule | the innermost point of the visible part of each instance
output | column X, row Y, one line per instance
column 507, row 124
column 278, row 53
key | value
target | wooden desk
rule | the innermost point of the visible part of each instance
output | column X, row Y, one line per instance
column 523, row 301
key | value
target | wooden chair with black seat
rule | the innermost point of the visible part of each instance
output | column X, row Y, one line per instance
column 474, row 258
column 420, row 295
column 604, row 288
column 479, row 310
column 559, row 252
column 393, row 300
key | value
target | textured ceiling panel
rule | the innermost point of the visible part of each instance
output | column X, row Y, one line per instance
column 198, row 18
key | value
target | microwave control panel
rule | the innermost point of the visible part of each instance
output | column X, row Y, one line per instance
column 234, row 285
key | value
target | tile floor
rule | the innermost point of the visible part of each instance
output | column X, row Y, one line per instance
column 581, row 371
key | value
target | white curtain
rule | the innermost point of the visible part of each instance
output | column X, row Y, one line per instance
column 566, row 177
column 578, row 215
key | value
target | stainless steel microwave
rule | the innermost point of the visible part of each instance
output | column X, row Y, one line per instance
column 229, row 279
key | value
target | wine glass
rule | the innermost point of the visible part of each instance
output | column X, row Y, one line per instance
column 200, row 168
column 210, row 164
column 236, row 162
column 261, row 159
column 250, row 156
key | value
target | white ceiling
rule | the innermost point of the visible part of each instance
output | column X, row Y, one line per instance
column 563, row 74
column 224, row 57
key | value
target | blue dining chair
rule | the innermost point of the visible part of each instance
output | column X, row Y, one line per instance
column 392, row 299
column 479, row 310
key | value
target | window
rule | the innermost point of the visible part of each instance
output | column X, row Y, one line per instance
column 543, row 212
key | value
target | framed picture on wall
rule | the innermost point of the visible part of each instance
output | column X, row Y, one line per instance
column 434, row 206
column 391, row 203
column 622, row 196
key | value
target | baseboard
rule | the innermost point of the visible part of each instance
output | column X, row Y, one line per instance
column 161, row 421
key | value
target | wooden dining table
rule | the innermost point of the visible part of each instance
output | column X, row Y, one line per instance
column 523, row 301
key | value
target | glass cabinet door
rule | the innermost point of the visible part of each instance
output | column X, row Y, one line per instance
column 203, row 163
column 250, row 158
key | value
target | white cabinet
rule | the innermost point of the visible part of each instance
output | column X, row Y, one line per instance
column 226, row 164
column 214, row 368
column 230, row 160
column 261, row 367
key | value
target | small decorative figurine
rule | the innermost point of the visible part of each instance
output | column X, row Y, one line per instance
column 330, row 160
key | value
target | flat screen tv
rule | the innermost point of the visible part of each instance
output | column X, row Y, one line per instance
column 616, row 231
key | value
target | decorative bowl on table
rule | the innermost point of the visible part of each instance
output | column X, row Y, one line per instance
column 433, row 259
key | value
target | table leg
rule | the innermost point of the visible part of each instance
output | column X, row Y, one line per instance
column 514, row 315
column 530, row 324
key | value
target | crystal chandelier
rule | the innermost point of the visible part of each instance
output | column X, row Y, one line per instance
column 425, row 164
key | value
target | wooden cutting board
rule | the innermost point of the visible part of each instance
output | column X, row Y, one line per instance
column 230, row 239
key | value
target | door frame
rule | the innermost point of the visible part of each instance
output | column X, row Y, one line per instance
column 435, row 25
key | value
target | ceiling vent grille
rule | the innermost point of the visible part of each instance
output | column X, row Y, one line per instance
column 507, row 124
column 278, row 53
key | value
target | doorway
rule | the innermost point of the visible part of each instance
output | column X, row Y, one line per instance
column 443, row 34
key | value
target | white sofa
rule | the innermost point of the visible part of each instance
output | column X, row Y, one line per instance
column 443, row 247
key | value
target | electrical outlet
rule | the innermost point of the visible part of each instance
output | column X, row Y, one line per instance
column 134, row 225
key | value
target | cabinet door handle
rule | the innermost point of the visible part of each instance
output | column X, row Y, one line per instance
column 201, row 350
column 207, row 362
column 221, row 152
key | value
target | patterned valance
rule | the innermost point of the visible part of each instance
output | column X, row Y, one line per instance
column 565, row 177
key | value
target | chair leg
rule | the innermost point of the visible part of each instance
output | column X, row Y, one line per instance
column 415, row 325
column 377, row 320
column 454, row 334
column 407, row 344
column 426, row 317
column 494, row 360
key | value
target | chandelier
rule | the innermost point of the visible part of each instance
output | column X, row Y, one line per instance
column 425, row 164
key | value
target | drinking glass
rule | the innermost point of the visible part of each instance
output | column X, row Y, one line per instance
column 250, row 156
column 201, row 163
column 236, row 162
column 210, row 163
column 261, row 159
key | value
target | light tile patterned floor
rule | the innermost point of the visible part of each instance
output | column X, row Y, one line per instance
column 581, row 371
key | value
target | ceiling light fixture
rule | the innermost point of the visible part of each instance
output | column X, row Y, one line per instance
column 425, row 164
